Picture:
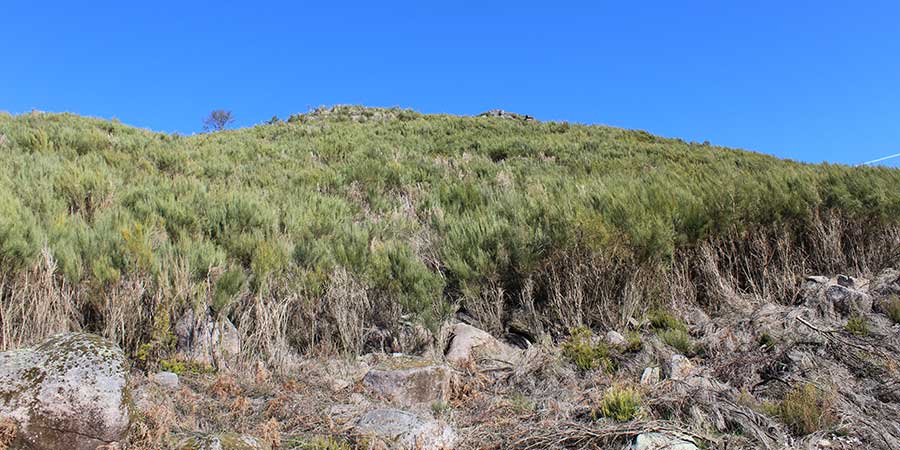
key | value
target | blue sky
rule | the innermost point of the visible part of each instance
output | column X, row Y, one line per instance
column 813, row 81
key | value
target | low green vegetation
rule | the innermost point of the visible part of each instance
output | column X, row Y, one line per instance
column 621, row 403
column 857, row 325
column 804, row 409
column 679, row 340
column 317, row 443
column 661, row 320
column 586, row 352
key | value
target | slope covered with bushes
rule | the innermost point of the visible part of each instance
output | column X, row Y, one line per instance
column 350, row 219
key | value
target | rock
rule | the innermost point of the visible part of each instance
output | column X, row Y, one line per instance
column 817, row 279
column 848, row 301
column 469, row 343
column 845, row 281
column 615, row 339
column 396, row 429
column 650, row 375
column 506, row 115
column 886, row 283
column 660, row 441
column 166, row 379
column 69, row 392
column 409, row 381
column 219, row 441
column 206, row 341
column 680, row 367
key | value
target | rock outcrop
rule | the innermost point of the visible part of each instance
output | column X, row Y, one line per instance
column 67, row 393
column 204, row 340
column 409, row 381
column 468, row 344
column 402, row 430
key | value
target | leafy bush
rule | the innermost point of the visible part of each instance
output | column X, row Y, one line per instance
column 586, row 354
column 621, row 403
column 633, row 340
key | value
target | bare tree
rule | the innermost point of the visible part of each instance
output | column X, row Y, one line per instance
column 217, row 120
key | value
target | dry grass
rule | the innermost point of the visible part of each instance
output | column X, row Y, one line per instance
column 8, row 430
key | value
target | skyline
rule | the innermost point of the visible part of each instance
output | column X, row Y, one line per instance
column 807, row 81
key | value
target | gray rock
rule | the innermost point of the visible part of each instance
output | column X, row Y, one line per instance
column 396, row 429
column 409, row 381
column 650, row 375
column 615, row 339
column 846, row 281
column 166, row 379
column 817, row 279
column 660, row 441
column 219, row 441
column 468, row 344
column 69, row 392
column 201, row 339
column 680, row 367
column 848, row 301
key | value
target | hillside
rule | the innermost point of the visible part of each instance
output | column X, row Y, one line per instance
column 351, row 230
column 424, row 213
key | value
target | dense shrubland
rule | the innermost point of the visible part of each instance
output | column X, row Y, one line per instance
column 312, row 232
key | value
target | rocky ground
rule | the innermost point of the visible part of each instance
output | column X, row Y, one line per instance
column 819, row 371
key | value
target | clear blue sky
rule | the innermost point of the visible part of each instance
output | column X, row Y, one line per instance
column 811, row 81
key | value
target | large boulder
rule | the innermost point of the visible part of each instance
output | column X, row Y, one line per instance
column 402, row 430
column 469, row 344
column 69, row 392
column 204, row 340
column 833, row 298
column 409, row 381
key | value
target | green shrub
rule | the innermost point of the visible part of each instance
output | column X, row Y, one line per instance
column 580, row 350
column 857, row 325
column 621, row 403
column 317, row 443
column 679, row 340
column 805, row 409
column 634, row 343
column 663, row 320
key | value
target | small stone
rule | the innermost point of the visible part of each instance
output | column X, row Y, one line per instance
column 680, row 367
column 650, row 375
column 615, row 339
column 845, row 281
column 397, row 429
column 657, row 441
column 220, row 441
column 817, row 279
column 166, row 379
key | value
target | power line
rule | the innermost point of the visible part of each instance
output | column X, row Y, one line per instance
column 881, row 159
